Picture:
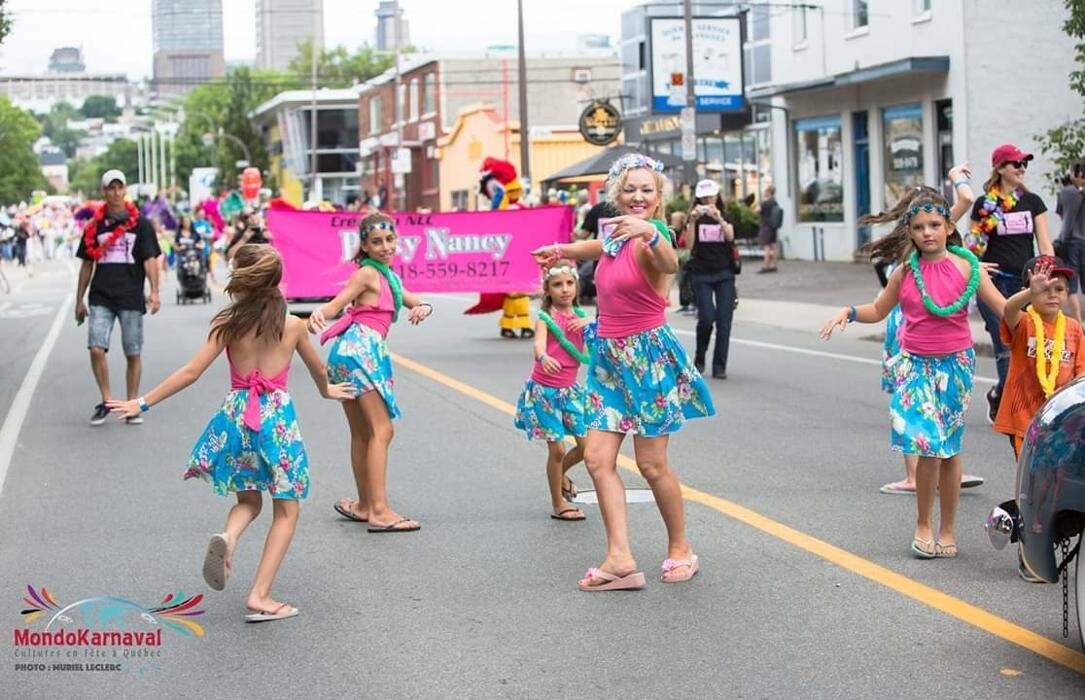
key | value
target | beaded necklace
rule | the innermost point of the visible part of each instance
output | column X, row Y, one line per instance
column 1047, row 374
column 969, row 290
column 993, row 208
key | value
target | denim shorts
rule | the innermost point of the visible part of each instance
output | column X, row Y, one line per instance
column 100, row 328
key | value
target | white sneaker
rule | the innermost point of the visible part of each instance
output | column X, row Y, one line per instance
column 134, row 420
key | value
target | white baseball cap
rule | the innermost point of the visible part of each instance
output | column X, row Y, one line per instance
column 110, row 175
column 706, row 188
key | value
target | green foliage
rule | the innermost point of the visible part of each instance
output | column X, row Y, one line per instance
column 5, row 21
column 744, row 219
column 676, row 203
column 1065, row 144
column 100, row 107
column 54, row 126
column 338, row 68
column 85, row 176
column 21, row 173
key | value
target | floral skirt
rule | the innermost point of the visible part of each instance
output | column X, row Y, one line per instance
column 930, row 402
column 551, row 413
column 235, row 458
column 644, row 384
column 360, row 356
column 894, row 326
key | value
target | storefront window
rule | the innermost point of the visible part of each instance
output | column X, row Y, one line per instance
column 903, row 132
column 820, row 168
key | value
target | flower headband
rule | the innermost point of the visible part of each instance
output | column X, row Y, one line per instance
column 633, row 160
column 382, row 225
column 928, row 208
column 561, row 270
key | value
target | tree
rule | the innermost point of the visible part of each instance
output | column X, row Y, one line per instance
column 101, row 107
column 85, row 175
column 54, row 126
column 5, row 21
column 338, row 68
column 1066, row 143
column 21, row 173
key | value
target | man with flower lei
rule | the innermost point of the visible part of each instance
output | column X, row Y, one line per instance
column 119, row 250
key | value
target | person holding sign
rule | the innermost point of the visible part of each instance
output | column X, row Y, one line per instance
column 713, row 264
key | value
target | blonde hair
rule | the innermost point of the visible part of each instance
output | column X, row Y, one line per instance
column 615, row 185
column 257, row 304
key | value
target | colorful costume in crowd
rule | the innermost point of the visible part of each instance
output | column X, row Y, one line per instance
column 499, row 182
column 551, row 406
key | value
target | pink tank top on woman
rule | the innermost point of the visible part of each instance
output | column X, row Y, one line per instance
column 378, row 317
column 569, row 364
column 257, row 383
column 627, row 303
column 927, row 334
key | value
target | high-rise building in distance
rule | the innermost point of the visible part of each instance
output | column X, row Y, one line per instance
column 187, row 41
column 281, row 25
column 386, row 37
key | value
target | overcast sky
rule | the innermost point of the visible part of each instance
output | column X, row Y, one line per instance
column 116, row 35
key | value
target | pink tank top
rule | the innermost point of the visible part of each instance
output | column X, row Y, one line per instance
column 256, row 383
column 627, row 303
column 569, row 364
column 927, row 334
column 378, row 317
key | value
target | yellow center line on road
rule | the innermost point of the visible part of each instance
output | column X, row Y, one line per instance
column 931, row 597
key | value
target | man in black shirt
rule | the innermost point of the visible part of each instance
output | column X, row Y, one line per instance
column 589, row 230
column 119, row 250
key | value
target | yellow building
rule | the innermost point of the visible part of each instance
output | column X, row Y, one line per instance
column 480, row 132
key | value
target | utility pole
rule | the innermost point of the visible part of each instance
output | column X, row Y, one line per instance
column 314, row 55
column 400, row 179
column 689, row 114
column 139, row 155
column 525, row 140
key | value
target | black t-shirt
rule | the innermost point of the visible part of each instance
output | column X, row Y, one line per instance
column 119, row 275
column 712, row 252
column 1011, row 246
column 602, row 210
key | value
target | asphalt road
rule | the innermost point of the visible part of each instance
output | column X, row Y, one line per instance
column 807, row 585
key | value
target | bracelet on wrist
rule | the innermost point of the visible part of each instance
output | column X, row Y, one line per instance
column 852, row 314
column 143, row 405
column 654, row 240
column 541, row 356
column 958, row 183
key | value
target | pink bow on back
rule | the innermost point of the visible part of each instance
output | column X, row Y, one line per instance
column 257, row 384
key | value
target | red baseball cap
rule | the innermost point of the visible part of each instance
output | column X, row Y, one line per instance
column 1058, row 267
column 1007, row 152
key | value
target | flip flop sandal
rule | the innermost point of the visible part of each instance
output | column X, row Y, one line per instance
column 560, row 515
column 945, row 551
column 670, row 565
column 970, row 481
column 898, row 487
column 568, row 493
column 280, row 613
column 921, row 552
column 391, row 527
column 215, row 568
column 611, row 582
column 348, row 513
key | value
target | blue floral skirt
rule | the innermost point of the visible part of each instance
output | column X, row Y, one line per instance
column 894, row 326
column 551, row 413
column 360, row 356
column 929, row 404
column 644, row 384
column 235, row 458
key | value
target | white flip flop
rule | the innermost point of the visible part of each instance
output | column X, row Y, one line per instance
column 280, row 613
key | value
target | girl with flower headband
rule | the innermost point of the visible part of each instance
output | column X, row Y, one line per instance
column 1007, row 222
column 933, row 375
column 551, row 406
column 360, row 355
column 640, row 380
column 252, row 444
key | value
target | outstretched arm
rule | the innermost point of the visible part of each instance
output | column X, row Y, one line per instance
column 868, row 313
column 963, row 197
column 174, row 383
column 317, row 370
column 419, row 310
column 357, row 283
column 579, row 250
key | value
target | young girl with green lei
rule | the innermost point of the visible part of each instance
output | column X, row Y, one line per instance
column 360, row 356
column 934, row 373
column 551, row 406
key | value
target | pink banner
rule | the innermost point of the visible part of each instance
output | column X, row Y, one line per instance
column 455, row 252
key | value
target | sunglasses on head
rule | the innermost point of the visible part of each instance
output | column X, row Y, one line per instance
column 1023, row 164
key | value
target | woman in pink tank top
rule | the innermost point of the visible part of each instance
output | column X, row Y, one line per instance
column 933, row 375
column 640, row 380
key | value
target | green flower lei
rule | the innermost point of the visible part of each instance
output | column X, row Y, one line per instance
column 973, row 282
column 394, row 283
column 564, row 342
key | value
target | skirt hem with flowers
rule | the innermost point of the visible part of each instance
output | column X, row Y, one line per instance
column 644, row 384
column 233, row 457
column 360, row 356
column 930, row 401
column 551, row 413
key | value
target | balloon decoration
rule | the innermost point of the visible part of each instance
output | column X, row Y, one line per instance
column 251, row 182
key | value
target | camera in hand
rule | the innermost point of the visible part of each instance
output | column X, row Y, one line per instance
column 256, row 235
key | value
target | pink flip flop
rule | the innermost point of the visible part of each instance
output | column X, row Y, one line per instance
column 280, row 613
column 613, row 582
column 672, row 564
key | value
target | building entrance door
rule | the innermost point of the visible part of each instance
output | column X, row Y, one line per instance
column 862, row 173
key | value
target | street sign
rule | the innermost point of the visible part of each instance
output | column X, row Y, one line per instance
column 600, row 123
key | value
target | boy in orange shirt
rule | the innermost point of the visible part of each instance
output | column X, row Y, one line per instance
column 1032, row 378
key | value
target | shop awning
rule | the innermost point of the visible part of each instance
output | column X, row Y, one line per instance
column 599, row 164
column 904, row 66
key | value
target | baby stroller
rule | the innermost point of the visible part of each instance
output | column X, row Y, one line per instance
column 191, row 273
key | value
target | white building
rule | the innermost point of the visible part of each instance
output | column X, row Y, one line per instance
column 871, row 97
column 281, row 25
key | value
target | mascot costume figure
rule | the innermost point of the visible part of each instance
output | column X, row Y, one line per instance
column 498, row 182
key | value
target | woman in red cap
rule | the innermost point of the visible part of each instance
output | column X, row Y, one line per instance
column 1006, row 221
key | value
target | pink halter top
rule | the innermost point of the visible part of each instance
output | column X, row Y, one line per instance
column 566, row 377
column 627, row 303
column 927, row 334
column 378, row 317
column 256, row 383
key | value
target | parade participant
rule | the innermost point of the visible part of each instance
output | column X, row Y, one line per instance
column 933, row 376
column 360, row 355
column 252, row 444
column 551, row 406
column 711, row 238
column 639, row 378
column 1006, row 221
column 119, row 252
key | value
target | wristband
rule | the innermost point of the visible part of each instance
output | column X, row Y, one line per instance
column 143, row 405
column 426, row 303
column 654, row 241
column 851, row 314
column 958, row 183
column 541, row 357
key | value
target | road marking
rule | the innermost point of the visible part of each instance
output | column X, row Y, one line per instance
column 922, row 593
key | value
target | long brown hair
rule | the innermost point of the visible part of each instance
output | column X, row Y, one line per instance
column 547, row 302
column 363, row 231
column 897, row 244
column 995, row 178
column 257, row 304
